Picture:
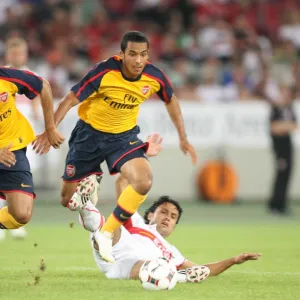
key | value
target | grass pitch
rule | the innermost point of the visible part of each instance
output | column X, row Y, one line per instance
column 55, row 261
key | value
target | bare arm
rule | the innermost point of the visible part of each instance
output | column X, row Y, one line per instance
column 41, row 144
column 283, row 127
column 175, row 114
column 221, row 266
column 64, row 106
column 47, row 105
column 35, row 103
column 51, row 133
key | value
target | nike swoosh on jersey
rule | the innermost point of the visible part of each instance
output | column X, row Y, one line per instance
column 132, row 143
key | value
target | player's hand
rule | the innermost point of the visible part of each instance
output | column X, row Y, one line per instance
column 188, row 149
column 240, row 259
column 154, row 140
column 55, row 137
column 7, row 157
column 41, row 144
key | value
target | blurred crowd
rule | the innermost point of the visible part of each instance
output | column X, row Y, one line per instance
column 212, row 50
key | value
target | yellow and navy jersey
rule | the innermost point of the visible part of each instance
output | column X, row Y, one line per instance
column 110, row 101
column 14, row 127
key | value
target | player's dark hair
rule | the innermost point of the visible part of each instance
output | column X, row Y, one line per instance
column 133, row 36
column 161, row 200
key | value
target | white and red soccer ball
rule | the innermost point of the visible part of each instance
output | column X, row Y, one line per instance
column 158, row 274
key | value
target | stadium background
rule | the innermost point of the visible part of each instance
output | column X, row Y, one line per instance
column 215, row 53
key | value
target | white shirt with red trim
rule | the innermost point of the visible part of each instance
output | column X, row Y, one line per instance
column 149, row 244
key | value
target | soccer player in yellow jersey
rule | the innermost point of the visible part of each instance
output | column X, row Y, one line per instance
column 16, row 56
column 16, row 184
column 109, row 96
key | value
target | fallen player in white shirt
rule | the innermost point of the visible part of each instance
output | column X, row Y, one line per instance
column 144, row 239
column 141, row 240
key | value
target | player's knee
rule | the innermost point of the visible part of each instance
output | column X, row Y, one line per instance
column 143, row 184
column 22, row 216
column 64, row 198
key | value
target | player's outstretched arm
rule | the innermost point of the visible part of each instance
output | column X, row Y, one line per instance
column 41, row 145
column 221, row 266
column 54, row 136
column 64, row 106
column 51, row 136
column 176, row 117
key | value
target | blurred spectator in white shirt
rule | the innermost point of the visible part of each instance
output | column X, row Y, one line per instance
column 290, row 28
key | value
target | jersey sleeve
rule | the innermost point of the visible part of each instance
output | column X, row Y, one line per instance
column 135, row 220
column 90, row 82
column 165, row 92
column 28, row 83
column 178, row 258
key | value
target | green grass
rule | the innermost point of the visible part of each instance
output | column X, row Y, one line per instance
column 207, row 233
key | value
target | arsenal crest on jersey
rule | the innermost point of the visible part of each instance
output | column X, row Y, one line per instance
column 3, row 97
column 145, row 89
column 70, row 169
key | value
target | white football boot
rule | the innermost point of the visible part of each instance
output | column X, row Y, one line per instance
column 104, row 241
column 19, row 233
column 87, row 190
column 2, row 234
column 90, row 217
column 86, row 194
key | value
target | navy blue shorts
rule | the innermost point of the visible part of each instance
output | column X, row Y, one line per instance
column 88, row 148
column 17, row 178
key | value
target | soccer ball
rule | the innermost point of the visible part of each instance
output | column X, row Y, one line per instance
column 158, row 274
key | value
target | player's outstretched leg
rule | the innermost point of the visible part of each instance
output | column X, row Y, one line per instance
column 83, row 197
column 84, row 201
column 138, row 174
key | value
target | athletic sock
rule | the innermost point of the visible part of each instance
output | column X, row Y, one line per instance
column 7, row 221
column 128, row 203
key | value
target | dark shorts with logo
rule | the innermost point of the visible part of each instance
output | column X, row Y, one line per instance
column 88, row 148
column 17, row 178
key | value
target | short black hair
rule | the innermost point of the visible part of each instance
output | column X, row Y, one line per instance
column 161, row 200
column 133, row 36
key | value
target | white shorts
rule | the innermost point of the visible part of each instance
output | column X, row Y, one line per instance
column 125, row 254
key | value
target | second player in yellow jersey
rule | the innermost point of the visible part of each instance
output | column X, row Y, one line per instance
column 16, row 185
